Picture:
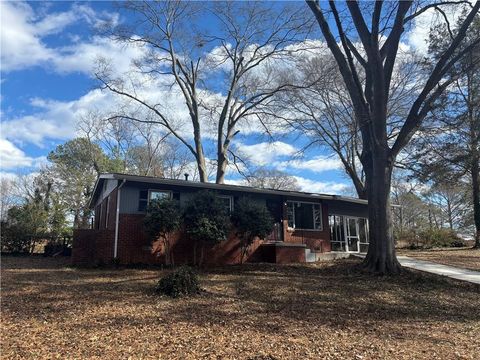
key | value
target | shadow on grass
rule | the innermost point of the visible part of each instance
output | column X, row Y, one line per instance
column 267, row 297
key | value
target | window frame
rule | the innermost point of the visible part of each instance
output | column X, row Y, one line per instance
column 293, row 202
column 230, row 198
column 148, row 199
column 150, row 191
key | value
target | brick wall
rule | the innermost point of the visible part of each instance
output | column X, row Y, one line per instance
column 134, row 246
column 314, row 239
column 92, row 246
column 283, row 253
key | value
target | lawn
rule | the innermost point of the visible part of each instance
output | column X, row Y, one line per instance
column 459, row 257
column 323, row 311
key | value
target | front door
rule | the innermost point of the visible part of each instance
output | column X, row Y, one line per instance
column 352, row 234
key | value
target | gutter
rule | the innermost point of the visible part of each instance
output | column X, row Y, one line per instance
column 117, row 216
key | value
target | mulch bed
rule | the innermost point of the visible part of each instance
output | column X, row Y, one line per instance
column 459, row 257
column 322, row 311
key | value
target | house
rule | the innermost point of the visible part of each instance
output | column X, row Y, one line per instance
column 306, row 226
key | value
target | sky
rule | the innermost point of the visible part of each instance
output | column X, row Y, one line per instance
column 48, row 52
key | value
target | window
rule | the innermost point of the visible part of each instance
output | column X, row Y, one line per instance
column 143, row 200
column 304, row 215
column 227, row 201
column 159, row 194
column 147, row 195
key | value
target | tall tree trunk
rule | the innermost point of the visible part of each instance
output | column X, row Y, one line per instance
column 381, row 257
column 476, row 198
column 221, row 167
column 202, row 168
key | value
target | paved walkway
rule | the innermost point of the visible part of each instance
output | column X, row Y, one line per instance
column 439, row 269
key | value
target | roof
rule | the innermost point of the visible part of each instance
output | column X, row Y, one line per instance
column 213, row 186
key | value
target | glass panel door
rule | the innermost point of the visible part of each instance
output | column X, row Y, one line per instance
column 337, row 233
column 363, row 234
column 351, row 225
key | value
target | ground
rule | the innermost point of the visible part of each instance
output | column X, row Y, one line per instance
column 322, row 311
column 459, row 257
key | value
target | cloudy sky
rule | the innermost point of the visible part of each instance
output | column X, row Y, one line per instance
column 48, row 51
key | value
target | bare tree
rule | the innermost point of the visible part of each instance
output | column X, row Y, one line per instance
column 147, row 157
column 9, row 196
column 448, row 149
column 225, row 79
column 272, row 179
column 324, row 113
column 452, row 200
column 379, row 27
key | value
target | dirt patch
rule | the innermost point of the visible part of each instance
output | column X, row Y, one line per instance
column 463, row 258
column 321, row 311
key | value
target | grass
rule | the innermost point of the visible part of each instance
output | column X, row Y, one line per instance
column 459, row 257
column 322, row 311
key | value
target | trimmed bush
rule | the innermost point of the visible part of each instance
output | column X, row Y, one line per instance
column 251, row 220
column 206, row 221
column 162, row 219
column 180, row 282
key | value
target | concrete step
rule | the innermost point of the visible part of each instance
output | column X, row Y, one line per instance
column 310, row 256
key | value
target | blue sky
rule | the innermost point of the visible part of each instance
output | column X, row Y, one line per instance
column 47, row 56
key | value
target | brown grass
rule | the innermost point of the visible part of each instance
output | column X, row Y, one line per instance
column 324, row 311
column 459, row 257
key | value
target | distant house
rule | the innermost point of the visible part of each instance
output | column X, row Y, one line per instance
column 306, row 224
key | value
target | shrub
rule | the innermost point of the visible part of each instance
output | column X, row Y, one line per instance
column 439, row 238
column 180, row 282
column 163, row 217
column 206, row 220
column 251, row 220
column 457, row 243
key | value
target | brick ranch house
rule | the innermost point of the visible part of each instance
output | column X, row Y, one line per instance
column 307, row 225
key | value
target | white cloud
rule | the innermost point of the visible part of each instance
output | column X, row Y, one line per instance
column 316, row 164
column 265, row 153
column 23, row 35
column 11, row 157
column 21, row 45
column 55, row 120
column 329, row 187
column 418, row 36
column 83, row 56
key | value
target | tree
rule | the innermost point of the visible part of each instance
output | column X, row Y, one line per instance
column 24, row 225
column 272, row 179
column 8, row 198
column 379, row 34
column 163, row 218
column 74, row 168
column 225, row 79
column 206, row 221
column 323, row 112
column 452, row 200
column 251, row 220
column 448, row 150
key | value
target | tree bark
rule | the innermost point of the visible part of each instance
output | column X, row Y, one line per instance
column 476, row 198
column 221, row 167
column 381, row 256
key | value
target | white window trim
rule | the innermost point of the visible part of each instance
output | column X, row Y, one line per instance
column 150, row 191
column 313, row 214
column 230, row 198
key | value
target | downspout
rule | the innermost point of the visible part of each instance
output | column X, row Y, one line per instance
column 117, row 216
